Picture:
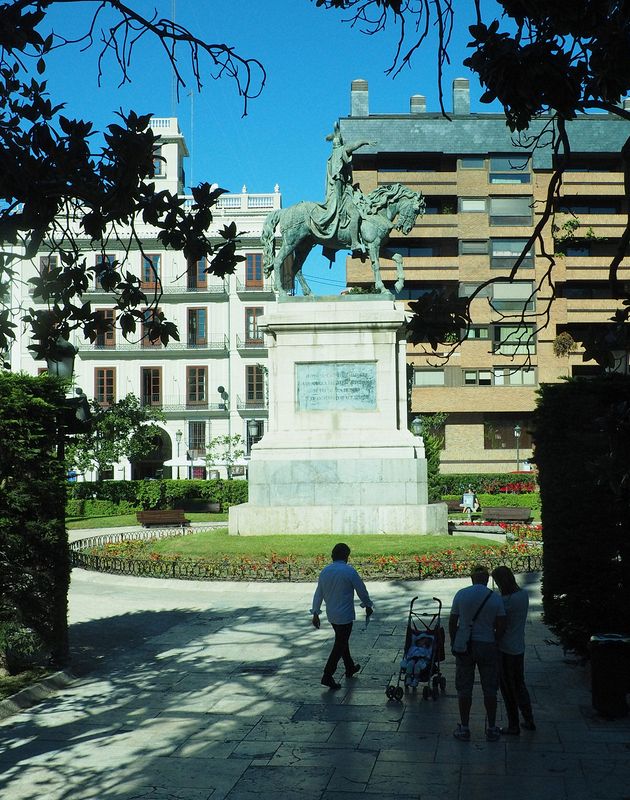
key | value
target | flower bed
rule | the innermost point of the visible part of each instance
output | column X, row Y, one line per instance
column 136, row 557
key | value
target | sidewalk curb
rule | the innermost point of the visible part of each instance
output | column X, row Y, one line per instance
column 34, row 694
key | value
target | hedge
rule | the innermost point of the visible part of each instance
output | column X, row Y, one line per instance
column 506, row 500
column 129, row 496
column 35, row 563
column 488, row 483
column 582, row 440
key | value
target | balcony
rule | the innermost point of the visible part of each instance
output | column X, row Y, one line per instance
column 125, row 350
column 256, row 290
column 251, row 346
column 255, row 405
column 176, row 405
column 171, row 292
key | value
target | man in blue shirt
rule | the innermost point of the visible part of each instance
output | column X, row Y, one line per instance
column 336, row 587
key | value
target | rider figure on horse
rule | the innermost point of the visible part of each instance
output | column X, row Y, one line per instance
column 339, row 209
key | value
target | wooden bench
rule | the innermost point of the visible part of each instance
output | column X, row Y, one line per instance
column 199, row 506
column 166, row 517
column 506, row 514
column 454, row 506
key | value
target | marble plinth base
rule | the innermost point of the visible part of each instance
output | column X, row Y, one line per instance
column 252, row 520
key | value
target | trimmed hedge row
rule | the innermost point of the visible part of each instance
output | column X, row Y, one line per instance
column 122, row 497
column 531, row 500
column 488, row 483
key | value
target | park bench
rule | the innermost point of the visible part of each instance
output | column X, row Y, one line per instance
column 454, row 506
column 166, row 517
column 506, row 514
column 194, row 504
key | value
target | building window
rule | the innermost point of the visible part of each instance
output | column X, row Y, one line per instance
column 509, row 340
column 477, row 377
column 148, row 315
column 504, row 252
column 105, row 386
column 159, row 165
column 472, row 162
column 197, row 439
column 197, row 275
column 475, row 332
column 498, row 432
column 103, row 264
column 47, row 264
column 473, row 247
column 514, row 376
column 151, row 270
column 197, row 327
column 510, row 211
column 151, row 383
column 106, row 332
column 517, row 296
column 253, row 270
column 472, row 204
column 252, row 334
column 197, row 386
column 428, row 377
column 255, row 385
column 511, row 168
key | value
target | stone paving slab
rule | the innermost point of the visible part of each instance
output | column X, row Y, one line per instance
column 204, row 691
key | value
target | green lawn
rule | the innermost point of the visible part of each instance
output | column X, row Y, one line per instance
column 207, row 544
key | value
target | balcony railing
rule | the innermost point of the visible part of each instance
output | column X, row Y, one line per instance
column 177, row 403
column 243, row 288
column 250, row 344
column 215, row 345
column 251, row 404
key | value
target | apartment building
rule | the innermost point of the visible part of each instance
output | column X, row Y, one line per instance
column 484, row 194
column 213, row 381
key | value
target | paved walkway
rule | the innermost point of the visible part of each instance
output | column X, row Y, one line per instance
column 211, row 690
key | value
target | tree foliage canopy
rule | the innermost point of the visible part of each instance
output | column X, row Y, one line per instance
column 63, row 192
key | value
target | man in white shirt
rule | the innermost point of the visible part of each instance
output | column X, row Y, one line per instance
column 336, row 586
column 477, row 616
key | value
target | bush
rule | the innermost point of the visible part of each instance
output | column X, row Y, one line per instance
column 21, row 648
column 75, row 508
column 488, row 483
column 582, row 439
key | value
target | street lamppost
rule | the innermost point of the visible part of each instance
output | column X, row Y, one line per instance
column 517, row 436
column 416, row 426
column 178, row 439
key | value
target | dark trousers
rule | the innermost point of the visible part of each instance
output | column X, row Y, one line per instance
column 340, row 649
column 513, row 689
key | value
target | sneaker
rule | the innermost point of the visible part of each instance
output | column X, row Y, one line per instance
column 528, row 724
column 462, row 732
column 493, row 734
column 350, row 673
column 328, row 680
column 511, row 730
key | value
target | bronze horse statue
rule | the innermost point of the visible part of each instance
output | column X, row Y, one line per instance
column 382, row 210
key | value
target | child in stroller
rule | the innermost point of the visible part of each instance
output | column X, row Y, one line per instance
column 418, row 659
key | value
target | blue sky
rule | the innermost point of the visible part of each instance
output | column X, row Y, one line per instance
column 310, row 56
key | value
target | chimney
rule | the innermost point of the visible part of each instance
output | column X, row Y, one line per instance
column 359, row 98
column 461, row 97
column 418, row 104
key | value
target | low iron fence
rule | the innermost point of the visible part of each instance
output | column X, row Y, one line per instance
column 277, row 568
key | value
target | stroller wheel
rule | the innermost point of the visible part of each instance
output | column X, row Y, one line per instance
column 398, row 693
column 390, row 692
column 425, row 692
column 443, row 683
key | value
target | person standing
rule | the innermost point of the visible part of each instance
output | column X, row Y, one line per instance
column 336, row 586
column 476, row 623
column 512, row 653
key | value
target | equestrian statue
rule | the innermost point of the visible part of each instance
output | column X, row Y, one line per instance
column 346, row 220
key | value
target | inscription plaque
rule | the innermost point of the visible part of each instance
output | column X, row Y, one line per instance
column 336, row 386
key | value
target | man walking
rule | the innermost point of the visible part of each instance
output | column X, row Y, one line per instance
column 336, row 586
column 476, row 623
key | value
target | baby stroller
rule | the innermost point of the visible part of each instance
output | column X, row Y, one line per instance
column 423, row 652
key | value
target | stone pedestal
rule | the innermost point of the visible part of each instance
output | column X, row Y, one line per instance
column 337, row 456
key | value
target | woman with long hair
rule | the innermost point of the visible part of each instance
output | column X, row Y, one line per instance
column 512, row 653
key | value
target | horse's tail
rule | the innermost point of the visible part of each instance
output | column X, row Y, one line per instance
column 268, row 240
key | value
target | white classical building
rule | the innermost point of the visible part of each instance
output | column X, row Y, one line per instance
column 213, row 381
